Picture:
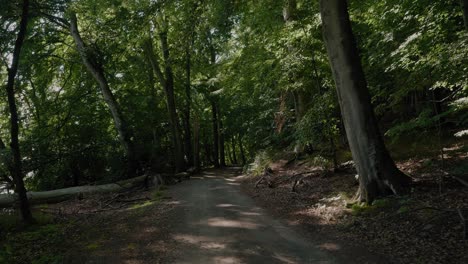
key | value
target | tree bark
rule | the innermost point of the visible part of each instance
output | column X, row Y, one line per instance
column 187, row 130
column 196, row 144
column 214, row 112
column 166, row 80
column 222, row 152
column 289, row 10
column 289, row 15
column 234, row 155
column 378, row 175
column 229, row 152
column 241, row 149
column 16, row 167
column 95, row 67
column 464, row 5
column 171, row 105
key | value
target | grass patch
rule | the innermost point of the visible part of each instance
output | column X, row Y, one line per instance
column 261, row 163
column 142, row 205
column 377, row 206
column 157, row 195
column 93, row 246
column 37, row 244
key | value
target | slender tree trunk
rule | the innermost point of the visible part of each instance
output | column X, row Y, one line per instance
column 171, row 105
column 222, row 153
column 208, row 153
column 464, row 4
column 229, row 152
column 96, row 69
column 214, row 111
column 300, row 105
column 241, row 149
column 378, row 175
column 233, row 143
column 289, row 15
column 196, row 144
column 166, row 80
column 16, row 167
column 187, row 131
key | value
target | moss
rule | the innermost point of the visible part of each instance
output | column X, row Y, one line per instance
column 369, row 209
column 93, row 246
column 362, row 209
column 382, row 203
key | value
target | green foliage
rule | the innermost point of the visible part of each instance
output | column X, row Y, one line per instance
column 243, row 57
column 364, row 209
column 261, row 163
column 377, row 206
column 37, row 244
column 157, row 195
column 319, row 126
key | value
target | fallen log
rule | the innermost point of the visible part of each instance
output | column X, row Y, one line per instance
column 59, row 195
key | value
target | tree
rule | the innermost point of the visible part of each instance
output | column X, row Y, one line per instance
column 464, row 4
column 95, row 67
column 166, row 80
column 378, row 175
column 16, row 169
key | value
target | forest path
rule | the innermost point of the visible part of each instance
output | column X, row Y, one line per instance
column 216, row 223
column 207, row 219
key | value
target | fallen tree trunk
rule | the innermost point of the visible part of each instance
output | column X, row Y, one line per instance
column 55, row 196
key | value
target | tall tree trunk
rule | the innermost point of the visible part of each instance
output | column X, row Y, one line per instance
column 166, row 80
column 289, row 15
column 187, row 131
column 222, row 153
column 229, row 152
column 464, row 4
column 378, row 175
column 300, row 105
column 96, row 69
column 289, row 10
column 16, row 167
column 171, row 105
column 241, row 149
column 214, row 111
column 233, row 143
column 196, row 143
column 208, row 152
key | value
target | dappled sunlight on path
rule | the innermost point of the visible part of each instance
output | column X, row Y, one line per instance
column 216, row 223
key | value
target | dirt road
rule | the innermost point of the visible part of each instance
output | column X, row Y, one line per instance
column 219, row 224
column 209, row 221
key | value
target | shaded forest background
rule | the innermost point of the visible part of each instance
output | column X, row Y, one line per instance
column 111, row 90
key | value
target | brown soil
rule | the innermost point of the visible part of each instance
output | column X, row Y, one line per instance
column 423, row 227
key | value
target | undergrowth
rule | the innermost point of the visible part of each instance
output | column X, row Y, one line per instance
column 36, row 244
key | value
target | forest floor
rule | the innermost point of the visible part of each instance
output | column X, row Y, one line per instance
column 223, row 217
column 423, row 227
column 207, row 219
